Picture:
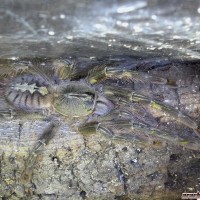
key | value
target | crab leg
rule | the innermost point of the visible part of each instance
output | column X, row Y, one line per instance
column 138, row 132
column 167, row 110
column 7, row 113
column 64, row 68
column 10, row 114
column 9, row 70
column 105, row 129
column 100, row 73
column 133, row 113
column 128, row 130
column 38, row 148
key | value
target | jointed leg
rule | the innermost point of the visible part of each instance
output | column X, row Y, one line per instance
column 11, row 69
column 13, row 114
column 125, row 129
column 128, row 130
column 131, row 112
column 35, row 152
column 113, row 92
column 64, row 69
column 103, row 72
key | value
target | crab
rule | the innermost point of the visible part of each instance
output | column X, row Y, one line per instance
column 116, row 112
column 58, row 90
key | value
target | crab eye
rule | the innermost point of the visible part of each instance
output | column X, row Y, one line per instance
column 75, row 100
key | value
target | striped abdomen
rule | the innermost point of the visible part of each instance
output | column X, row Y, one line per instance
column 29, row 92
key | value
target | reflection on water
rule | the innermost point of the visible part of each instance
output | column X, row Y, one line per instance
column 151, row 28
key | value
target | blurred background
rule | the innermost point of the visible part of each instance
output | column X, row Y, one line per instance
column 168, row 29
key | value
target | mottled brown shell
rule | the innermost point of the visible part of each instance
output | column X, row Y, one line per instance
column 75, row 100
